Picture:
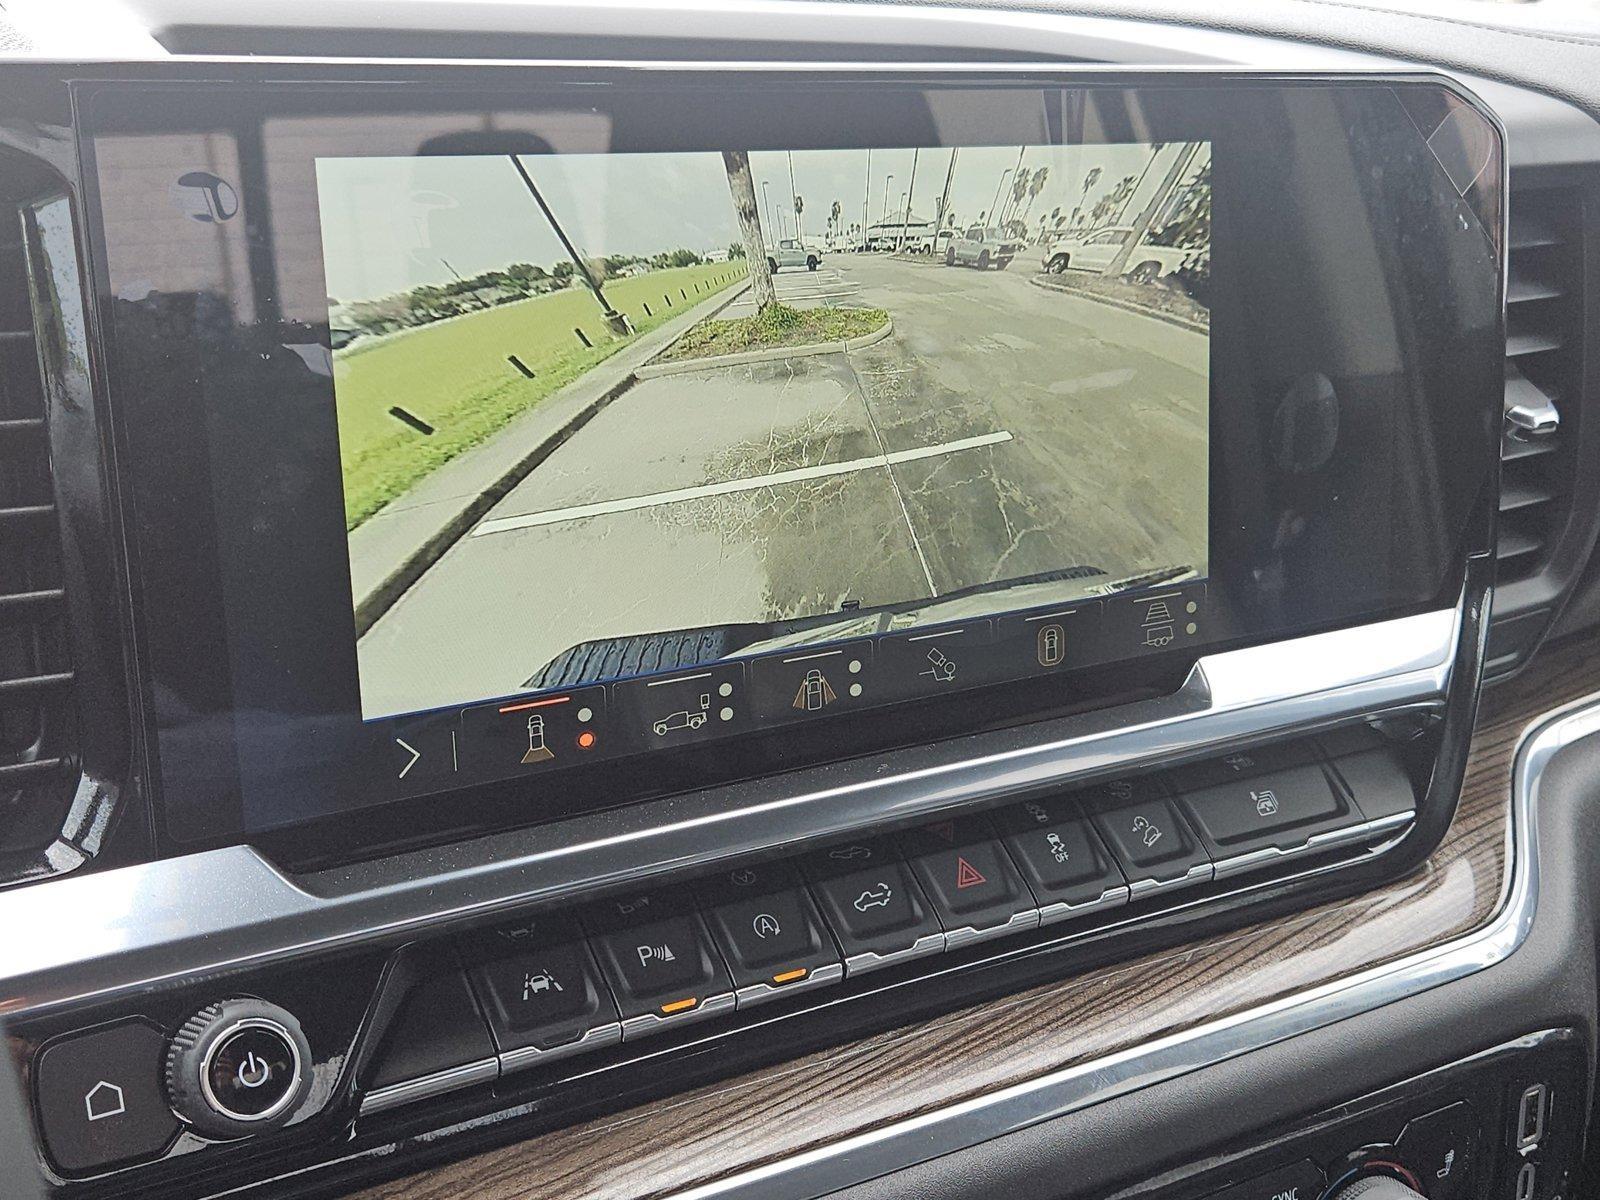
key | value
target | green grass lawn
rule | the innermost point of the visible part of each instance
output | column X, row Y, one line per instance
column 454, row 375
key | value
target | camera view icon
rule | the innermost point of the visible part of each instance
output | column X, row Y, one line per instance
column 686, row 718
column 537, row 751
column 1051, row 645
column 815, row 692
column 941, row 669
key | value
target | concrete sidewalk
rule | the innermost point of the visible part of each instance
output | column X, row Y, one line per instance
column 391, row 549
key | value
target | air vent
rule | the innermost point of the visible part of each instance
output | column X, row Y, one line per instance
column 36, row 710
column 1543, row 368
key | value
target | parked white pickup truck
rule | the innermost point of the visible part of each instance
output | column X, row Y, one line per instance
column 790, row 252
column 1094, row 251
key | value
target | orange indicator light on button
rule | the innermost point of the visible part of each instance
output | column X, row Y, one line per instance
column 791, row 976
column 586, row 740
column 678, row 1006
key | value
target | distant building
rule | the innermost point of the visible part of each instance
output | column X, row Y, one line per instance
column 886, row 234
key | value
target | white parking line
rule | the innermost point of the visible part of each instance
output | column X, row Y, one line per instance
column 729, row 487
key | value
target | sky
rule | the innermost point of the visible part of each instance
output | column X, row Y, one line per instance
column 391, row 224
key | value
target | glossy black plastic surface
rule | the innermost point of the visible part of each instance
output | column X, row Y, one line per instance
column 1293, row 552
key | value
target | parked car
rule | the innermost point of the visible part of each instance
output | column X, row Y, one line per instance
column 1096, row 250
column 982, row 247
column 791, row 252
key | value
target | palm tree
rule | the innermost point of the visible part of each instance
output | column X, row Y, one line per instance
column 1089, row 180
column 1036, row 186
column 1019, row 189
column 833, row 219
column 742, row 186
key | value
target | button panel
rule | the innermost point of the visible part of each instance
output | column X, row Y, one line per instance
column 645, row 962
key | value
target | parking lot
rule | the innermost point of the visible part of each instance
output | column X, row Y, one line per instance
column 1002, row 430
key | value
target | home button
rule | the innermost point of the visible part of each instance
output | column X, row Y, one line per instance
column 99, row 1098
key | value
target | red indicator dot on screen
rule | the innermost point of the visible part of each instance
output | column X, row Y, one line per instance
column 586, row 740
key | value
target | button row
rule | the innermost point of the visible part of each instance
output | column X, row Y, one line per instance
column 630, row 967
column 536, row 733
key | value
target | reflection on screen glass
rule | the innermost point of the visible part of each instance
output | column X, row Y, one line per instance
column 956, row 383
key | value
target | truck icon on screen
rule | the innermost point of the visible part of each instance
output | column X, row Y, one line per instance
column 685, row 718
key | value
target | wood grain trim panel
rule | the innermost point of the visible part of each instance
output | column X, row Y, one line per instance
column 743, row 1123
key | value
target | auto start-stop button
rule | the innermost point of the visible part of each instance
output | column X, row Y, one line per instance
column 238, row 1067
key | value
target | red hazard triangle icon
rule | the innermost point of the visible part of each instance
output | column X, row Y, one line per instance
column 967, row 875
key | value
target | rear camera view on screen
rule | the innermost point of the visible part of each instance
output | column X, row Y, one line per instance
column 603, row 416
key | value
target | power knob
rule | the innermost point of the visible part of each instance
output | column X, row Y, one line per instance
column 238, row 1067
column 1375, row 1187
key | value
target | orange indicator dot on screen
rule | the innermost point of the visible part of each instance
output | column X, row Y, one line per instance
column 586, row 740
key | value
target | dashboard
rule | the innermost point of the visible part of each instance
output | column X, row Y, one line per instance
column 797, row 600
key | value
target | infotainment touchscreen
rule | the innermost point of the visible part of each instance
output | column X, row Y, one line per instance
column 908, row 393
column 506, row 442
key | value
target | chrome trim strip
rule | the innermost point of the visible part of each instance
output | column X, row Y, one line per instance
column 871, row 960
column 968, row 935
column 1060, row 910
column 533, row 1056
column 647, row 1023
column 485, row 1070
column 759, row 993
column 1138, row 889
column 956, row 1127
column 111, row 934
column 1328, row 840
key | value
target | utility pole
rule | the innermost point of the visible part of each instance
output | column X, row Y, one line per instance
column 1021, row 150
column 944, row 197
column 766, row 208
column 866, row 198
column 994, row 216
column 1149, row 162
column 615, row 321
column 905, row 211
column 794, row 196
column 887, row 180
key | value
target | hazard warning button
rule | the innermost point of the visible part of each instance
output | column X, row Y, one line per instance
column 976, row 890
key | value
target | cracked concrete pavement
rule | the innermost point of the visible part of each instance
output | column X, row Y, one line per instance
column 1003, row 431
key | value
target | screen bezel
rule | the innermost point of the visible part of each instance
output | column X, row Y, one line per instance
column 372, row 830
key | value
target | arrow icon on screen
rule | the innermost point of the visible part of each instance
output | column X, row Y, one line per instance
column 415, row 754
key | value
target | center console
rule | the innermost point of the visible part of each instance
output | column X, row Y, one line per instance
column 635, row 573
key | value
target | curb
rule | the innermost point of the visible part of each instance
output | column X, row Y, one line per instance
column 394, row 585
column 688, row 365
column 381, row 596
column 1040, row 281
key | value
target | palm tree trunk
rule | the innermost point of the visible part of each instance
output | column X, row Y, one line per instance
column 1119, row 262
column 743, row 187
